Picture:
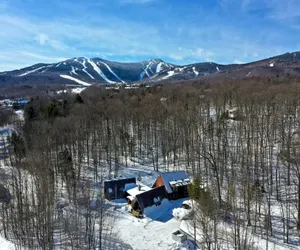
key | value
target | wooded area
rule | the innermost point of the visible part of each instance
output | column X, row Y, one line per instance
column 250, row 164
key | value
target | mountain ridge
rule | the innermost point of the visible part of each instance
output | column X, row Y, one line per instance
column 95, row 70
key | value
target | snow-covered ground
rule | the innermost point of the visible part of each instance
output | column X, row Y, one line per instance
column 20, row 114
column 75, row 80
column 147, row 233
column 6, row 245
column 73, row 90
column 154, row 231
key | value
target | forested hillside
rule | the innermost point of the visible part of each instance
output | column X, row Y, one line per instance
column 240, row 139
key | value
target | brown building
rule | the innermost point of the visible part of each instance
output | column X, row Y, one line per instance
column 175, row 183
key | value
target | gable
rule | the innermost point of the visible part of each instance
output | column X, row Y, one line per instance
column 159, row 182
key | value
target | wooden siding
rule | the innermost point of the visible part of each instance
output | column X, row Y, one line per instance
column 159, row 182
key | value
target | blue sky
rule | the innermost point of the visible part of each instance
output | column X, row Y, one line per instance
column 177, row 31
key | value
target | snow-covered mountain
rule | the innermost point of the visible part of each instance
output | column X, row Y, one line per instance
column 87, row 71
column 189, row 71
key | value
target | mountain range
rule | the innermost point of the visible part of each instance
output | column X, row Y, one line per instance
column 87, row 71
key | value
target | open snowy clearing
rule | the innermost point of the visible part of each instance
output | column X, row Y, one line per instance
column 153, row 232
column 75, row 80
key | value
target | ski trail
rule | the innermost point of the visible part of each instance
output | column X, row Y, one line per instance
column 75, row 80
column 99, row 71
column 31, row 71
column 195, row 71
column 111, row 71
column 85, row 67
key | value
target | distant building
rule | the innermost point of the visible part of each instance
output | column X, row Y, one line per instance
column 115, row 189
column 175, row 184
column 19, row 104
column 232, row 113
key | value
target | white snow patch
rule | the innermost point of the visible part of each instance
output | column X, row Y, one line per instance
column 159, row 67
column 73, row 91
column 138, row 190
column 31, row 71
column 195, row 71
column 131, row 87
column 73, row 71
column 145, row 71
column 217, row 68
column 6, row 245
column 84, row 68
column 111, row 71
column 271, row 64
column 99, row 71
column 180, row 213
column 170, row 73
column 185, row 212
column 149, row 66
column 249, row 74
column 20, row 114
column 77, row 90
column 46, row 68
column 75, row 80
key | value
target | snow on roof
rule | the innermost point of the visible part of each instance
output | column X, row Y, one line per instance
column 178, row 183
column 138, row 190
column 129, row 197
column 173, row 177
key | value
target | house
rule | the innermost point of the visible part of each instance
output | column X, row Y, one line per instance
column 149, row 198
column 116, row 188
column 232, row 113
column 19, row 104
column 136, row 190
column 5, row 102
column 175, row 184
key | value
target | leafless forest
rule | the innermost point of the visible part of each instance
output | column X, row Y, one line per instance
column 69, row 144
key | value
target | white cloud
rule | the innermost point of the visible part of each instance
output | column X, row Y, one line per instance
column 42, row 39
column 19, row 59
column 283, row 10
column 237, row 61
column 49, row 40
column 198, row 54
column 42, row 57
column 176, row 57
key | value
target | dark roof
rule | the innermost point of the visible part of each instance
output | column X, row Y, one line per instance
column 173, row 176
column 146, row 199
column 118, row 182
